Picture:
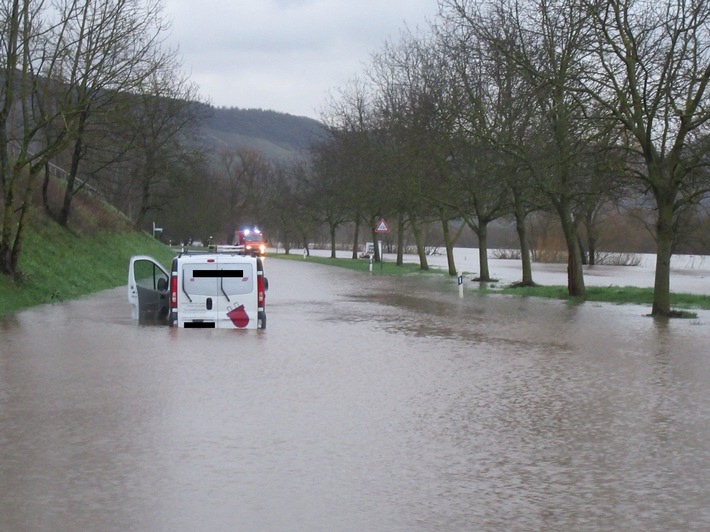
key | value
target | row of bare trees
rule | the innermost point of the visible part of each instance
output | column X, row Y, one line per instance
column 505, row 107
column 87, row 85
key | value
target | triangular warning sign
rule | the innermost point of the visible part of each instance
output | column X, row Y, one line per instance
column 382, row 227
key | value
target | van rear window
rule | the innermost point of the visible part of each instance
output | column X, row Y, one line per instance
column 211, row 280
column 242, row 283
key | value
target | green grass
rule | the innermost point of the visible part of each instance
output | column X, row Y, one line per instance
column 613, row 294
column 57, row 264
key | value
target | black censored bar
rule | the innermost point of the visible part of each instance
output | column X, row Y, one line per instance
column 218, row 273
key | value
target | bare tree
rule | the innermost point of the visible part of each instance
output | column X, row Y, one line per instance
column 164, row 118
column 495, row 109
column 545, row 41
column 110, row 47
column 353, row 126
column 245, row 173
column 653, row 69
column 413, row 109
column 325, row 189
column 35, row 123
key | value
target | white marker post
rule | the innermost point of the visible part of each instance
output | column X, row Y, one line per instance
column 459, row 280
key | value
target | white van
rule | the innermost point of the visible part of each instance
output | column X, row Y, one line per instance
column 218, row 288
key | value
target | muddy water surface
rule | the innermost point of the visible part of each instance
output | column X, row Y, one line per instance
column 367, row 404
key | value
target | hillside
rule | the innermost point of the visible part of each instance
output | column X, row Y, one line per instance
column 58, row 264
column 278, row 136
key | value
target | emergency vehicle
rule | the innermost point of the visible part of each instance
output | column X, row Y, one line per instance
column 252, row 239
column 221, row 288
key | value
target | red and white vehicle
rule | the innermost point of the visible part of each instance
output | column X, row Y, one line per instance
column 253, row 241
column 220, row 288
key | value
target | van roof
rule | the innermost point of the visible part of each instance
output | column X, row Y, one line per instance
column 216, row 250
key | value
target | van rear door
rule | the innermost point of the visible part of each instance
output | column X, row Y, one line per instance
column 238, row 292
column 199, row 292
column 148, row 289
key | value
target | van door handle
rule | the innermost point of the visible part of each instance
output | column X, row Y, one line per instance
column 209, row 303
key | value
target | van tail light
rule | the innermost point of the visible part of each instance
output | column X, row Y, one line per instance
column 261, row 294
column 173, row 291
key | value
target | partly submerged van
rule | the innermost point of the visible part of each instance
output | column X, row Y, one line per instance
column 218, row 288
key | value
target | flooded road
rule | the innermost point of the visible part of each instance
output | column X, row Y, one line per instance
column 368, row 404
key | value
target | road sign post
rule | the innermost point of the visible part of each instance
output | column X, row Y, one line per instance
column 382, row 227
column 156, row 229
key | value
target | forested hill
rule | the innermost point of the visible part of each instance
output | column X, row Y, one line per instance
column 276, row 135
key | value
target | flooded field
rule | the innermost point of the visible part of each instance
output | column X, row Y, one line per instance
column 689, row 273
column 368, row 404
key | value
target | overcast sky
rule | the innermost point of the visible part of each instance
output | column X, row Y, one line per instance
column 284, row 55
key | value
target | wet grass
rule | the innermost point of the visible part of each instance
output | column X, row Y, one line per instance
column 57, row 264
column 620, row 295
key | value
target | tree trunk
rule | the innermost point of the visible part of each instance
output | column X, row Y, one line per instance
column 357, row 235
column 419, row 239
column 304, row 239
column 45, row 191
column 575, row 274
column 332, row 241
column 400, row 239
column 448, row 242
column 521, row 228
column 582, row 253
column 592, row 251
column 664, row 252
column 8, row 218
column 63, row 218
column 376, row 250
column 482, row 234
column 20, row 231
column 591, row 239
column 144, row 208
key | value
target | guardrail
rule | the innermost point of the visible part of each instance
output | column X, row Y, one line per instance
column 59, row 172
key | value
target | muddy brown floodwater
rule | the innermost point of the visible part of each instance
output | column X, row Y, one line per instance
column 369, row 403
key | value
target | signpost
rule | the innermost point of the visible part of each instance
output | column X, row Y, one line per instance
column 156, row 229
column 382, row 227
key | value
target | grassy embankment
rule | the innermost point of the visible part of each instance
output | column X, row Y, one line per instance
column 612, row 294
column 59, row 264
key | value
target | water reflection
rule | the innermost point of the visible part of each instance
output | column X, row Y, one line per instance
column 368, row 403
